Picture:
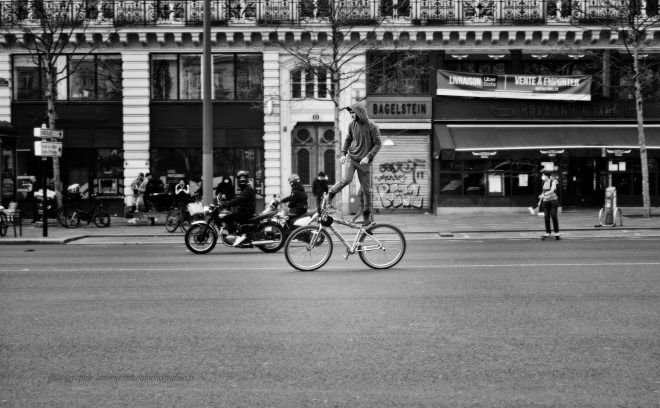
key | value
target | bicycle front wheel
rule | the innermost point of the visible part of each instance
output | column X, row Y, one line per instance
column 382, row 246
column 308, row 248
column 172, row 221
column 102, row 219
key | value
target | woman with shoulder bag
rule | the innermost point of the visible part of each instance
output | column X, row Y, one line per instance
column 550, row 202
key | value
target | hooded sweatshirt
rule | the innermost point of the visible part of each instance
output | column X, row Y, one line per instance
column 363, row 138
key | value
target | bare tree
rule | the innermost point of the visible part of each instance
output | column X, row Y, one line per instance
column 49, row 30
column 631, row 24
column 333, row 34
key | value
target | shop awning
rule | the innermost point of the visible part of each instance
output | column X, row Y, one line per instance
column 7, row 129
column 525, row 137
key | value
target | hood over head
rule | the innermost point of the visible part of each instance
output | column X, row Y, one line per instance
column 360, row 112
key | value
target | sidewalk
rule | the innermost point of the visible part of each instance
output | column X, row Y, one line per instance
column 573, row 224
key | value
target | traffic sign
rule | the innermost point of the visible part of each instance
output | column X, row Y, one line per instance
column 54, row 133
column 48, row 149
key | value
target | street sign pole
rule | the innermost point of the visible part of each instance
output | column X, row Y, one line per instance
column 44, row 197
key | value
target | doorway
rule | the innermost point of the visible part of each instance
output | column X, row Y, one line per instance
column 313, row 151
column 586, row 182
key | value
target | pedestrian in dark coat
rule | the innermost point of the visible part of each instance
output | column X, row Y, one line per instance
column 320, row 187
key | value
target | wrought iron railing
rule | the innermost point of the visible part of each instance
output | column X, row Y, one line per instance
column 273, row 12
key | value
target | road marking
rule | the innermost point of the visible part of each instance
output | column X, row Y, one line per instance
column 359, row 267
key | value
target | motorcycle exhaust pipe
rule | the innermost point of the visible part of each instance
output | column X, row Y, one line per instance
column 265, row 242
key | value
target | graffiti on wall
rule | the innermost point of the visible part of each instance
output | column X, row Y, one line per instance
column 397, row 184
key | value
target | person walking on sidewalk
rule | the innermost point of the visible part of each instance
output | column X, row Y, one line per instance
column 550, row 202
column 319, row 188
column 361, row 145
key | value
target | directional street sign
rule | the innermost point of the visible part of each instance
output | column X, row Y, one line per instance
column 52, row 133
column 48, row 149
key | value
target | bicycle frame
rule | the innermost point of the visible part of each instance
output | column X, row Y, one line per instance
column 356, row 245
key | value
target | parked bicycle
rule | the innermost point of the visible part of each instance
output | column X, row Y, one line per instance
column 184, row 215
column 380, row 246
column 71, row 217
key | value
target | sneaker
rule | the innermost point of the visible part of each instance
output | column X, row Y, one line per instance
column 541, row 214
column 239, row 240
column 547, row 234
column 531, row 210
column 556, row 235
column 132, row 221
column 368, row 220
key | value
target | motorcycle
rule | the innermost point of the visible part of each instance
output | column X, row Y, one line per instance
column 289, row 222
column 263, row 231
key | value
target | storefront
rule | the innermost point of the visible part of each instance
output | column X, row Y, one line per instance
column 401, row 178
column 7, row 163
column 494, row 165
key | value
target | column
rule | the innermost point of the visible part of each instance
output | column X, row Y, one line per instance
column 272, row 134
column 135, row 118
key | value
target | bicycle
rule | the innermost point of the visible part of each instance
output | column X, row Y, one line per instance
column 181, row 217
column 71, row 217
column 380, row 246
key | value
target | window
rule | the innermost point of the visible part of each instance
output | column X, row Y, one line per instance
column 623, row 79
column 29, row 79
column 310, row 84
column 89, row 78
column 235, row 77
column 82, row 79
column 398, row 73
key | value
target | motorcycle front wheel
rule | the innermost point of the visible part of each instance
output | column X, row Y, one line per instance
column 201, row 238
column 272, row 232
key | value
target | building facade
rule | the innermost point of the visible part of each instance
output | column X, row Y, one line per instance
column 134, row 104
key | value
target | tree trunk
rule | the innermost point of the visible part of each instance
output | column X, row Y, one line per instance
column 639, row 105
column 50, row 98
column 338, row 202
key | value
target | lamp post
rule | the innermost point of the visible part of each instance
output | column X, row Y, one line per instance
column 207, row 109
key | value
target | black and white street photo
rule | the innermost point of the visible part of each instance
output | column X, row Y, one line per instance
column 341, row 203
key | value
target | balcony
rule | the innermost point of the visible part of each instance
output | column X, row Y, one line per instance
column 121, row 13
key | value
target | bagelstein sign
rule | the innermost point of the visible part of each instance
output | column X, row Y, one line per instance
column 399, row 107
column 541, row 87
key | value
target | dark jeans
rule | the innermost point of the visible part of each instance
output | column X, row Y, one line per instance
column 550, row 210
column 234, row 218
column 364, row 175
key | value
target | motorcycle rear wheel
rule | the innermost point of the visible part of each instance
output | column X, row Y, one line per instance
column 272, row 232
column 201, row 238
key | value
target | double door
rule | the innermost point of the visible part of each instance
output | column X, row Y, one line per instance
column 313, row 151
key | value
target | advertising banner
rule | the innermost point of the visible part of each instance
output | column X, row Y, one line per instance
column 547, row 87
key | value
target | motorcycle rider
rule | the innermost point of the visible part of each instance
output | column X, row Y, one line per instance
column 298, row 198
column 246, row 204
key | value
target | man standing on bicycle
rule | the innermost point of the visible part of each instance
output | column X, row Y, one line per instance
column 361, row 145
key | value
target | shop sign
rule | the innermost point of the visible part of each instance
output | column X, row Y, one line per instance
column 484, row 155
column 552, row 152
column 544, row 87
column 618, row 152
column 399, row 108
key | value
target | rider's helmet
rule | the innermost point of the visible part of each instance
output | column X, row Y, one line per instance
column 294, row 178
column 243, row 178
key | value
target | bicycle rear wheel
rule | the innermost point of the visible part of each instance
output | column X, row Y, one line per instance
column 172, row 221
column 382, row 246
column 4, row 224
column 308, row 248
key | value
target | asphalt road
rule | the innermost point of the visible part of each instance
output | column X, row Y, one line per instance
column 496, row 323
